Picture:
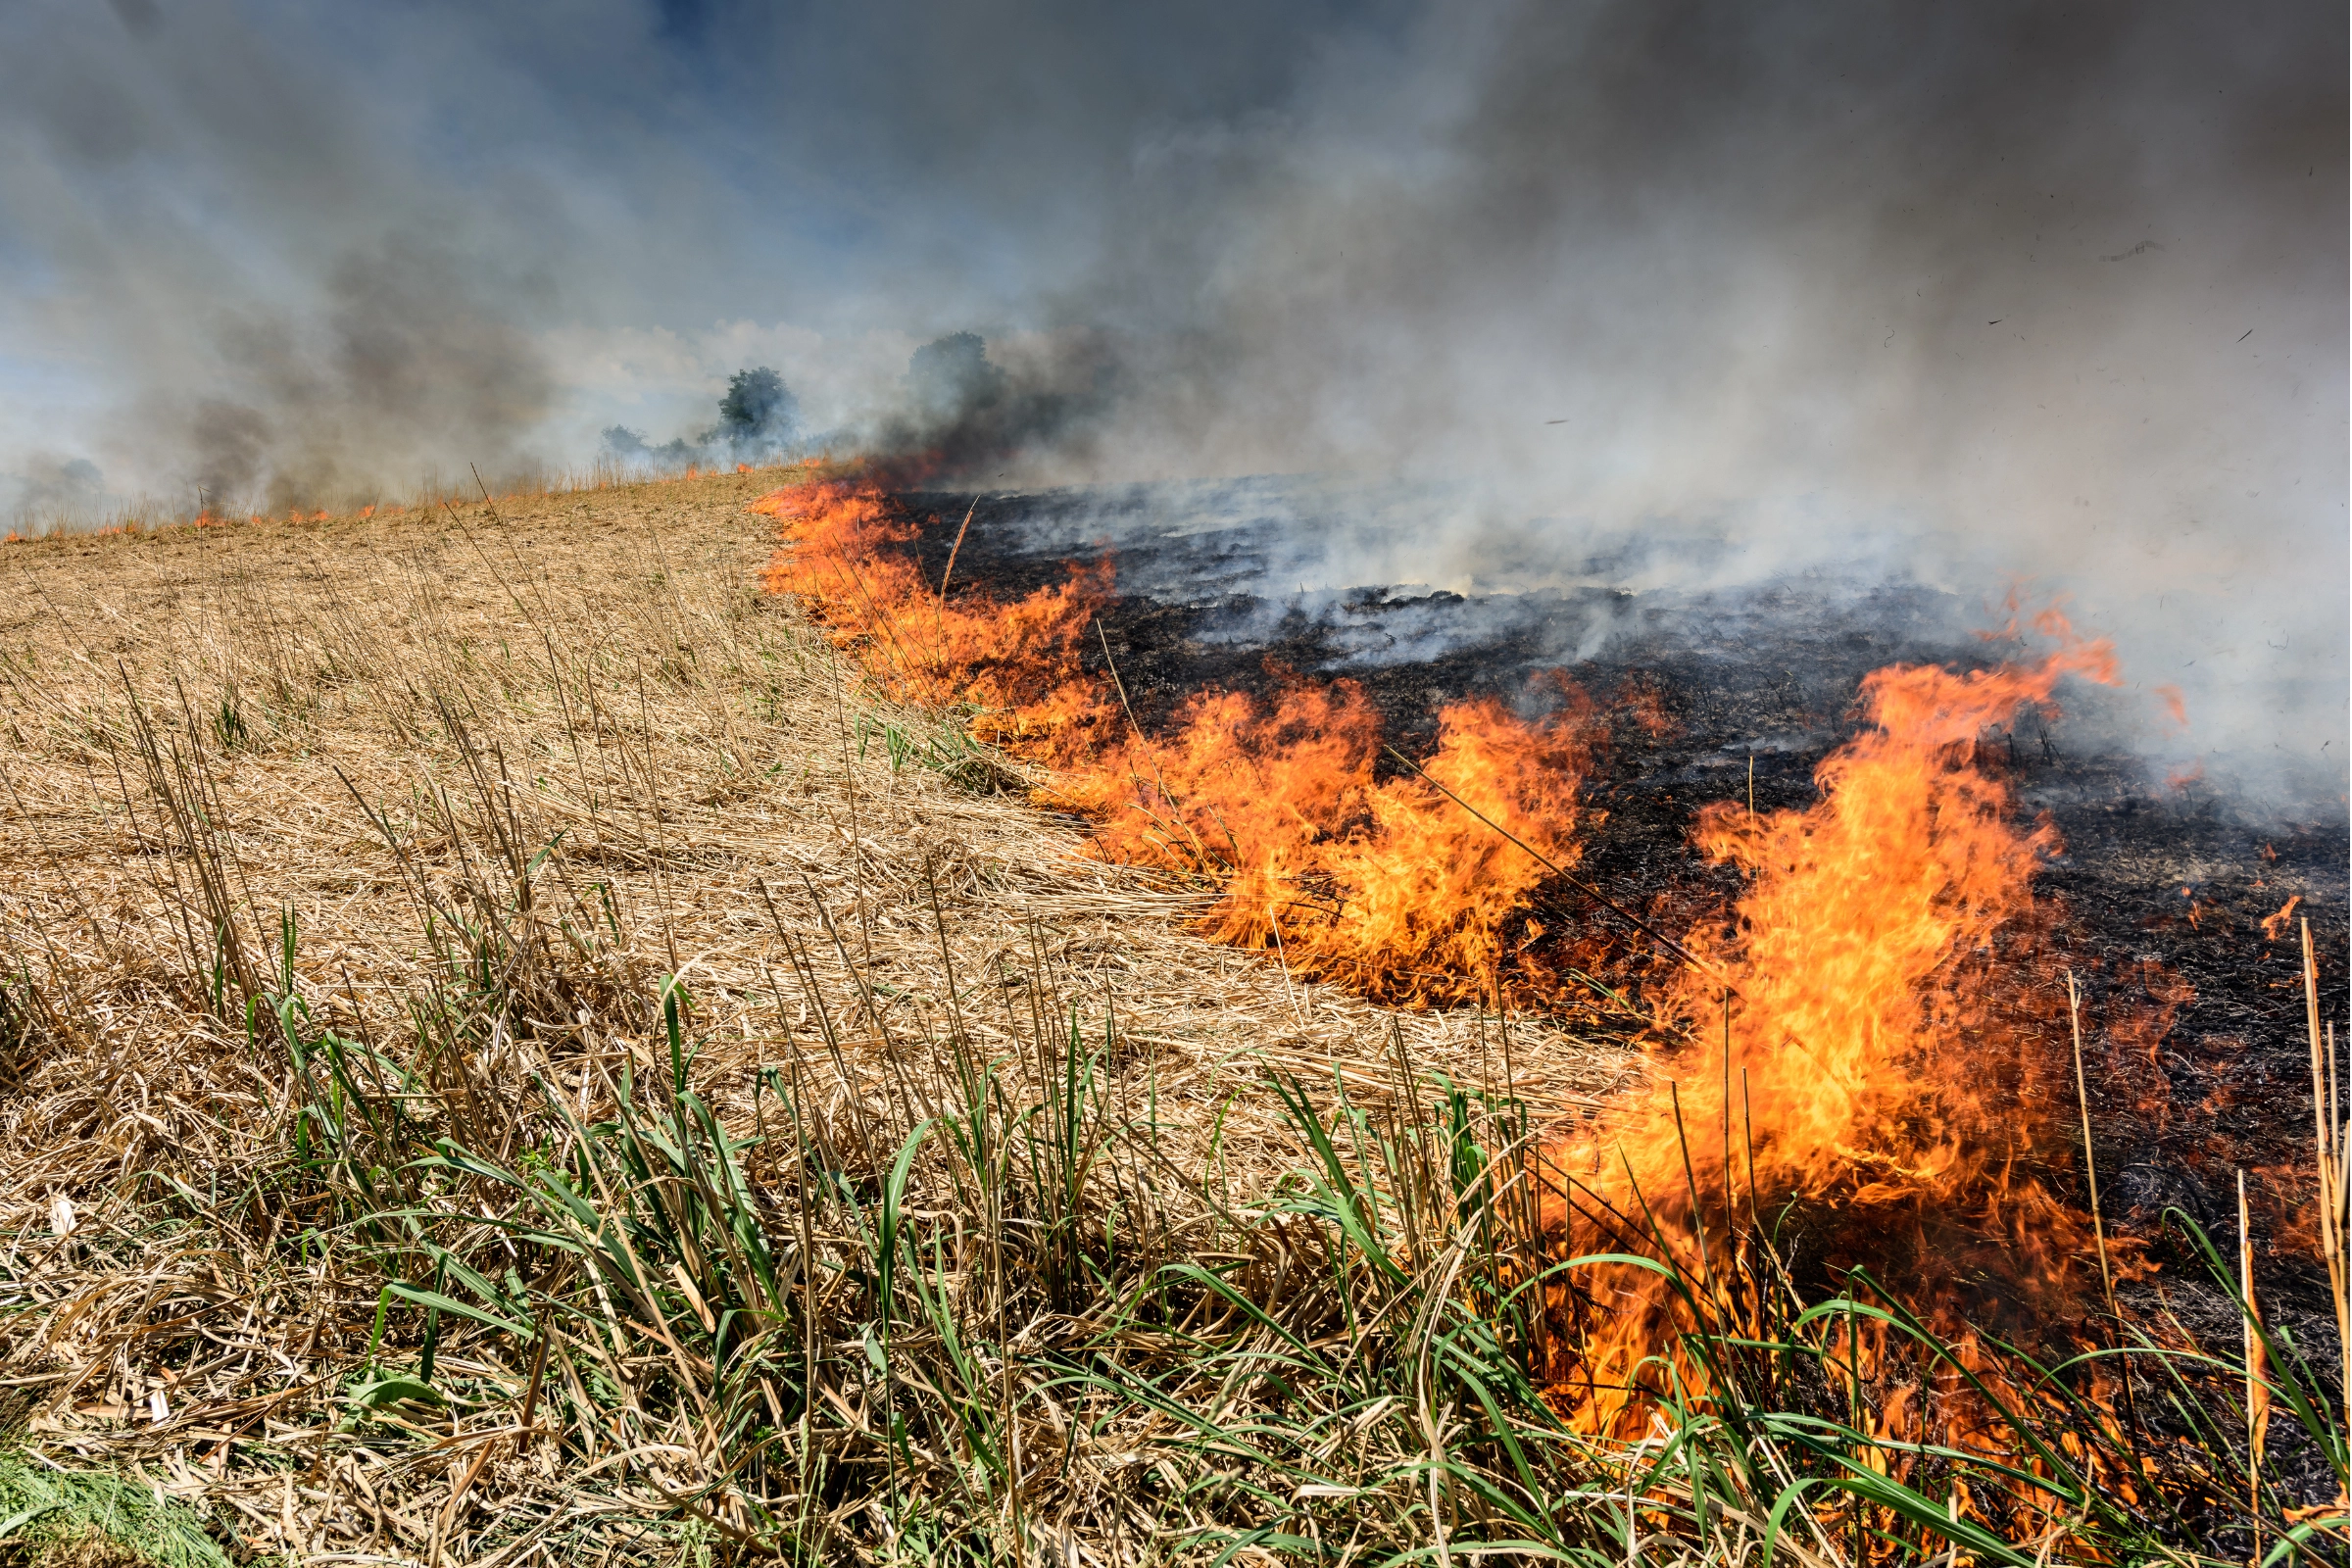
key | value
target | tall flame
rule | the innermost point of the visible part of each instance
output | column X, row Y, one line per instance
column 1866, row 1062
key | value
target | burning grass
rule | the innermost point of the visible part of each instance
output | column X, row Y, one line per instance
column 1404, row 889
column 513, row 1051
column 1882, row 989
column 1864, row 1059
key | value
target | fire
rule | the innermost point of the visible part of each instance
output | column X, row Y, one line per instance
column 2175, row 705
column 1863, row 1054
column 1015, row 666
column 1861, row 1058
column 1410, row 888
column 1398, row 886
column 2272, row 924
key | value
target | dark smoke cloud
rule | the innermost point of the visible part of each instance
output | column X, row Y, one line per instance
column 962, row 412
column 1960, row 293
column 1811, row 235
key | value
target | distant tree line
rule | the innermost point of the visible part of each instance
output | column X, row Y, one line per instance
column 948, row 385
column 759, row 418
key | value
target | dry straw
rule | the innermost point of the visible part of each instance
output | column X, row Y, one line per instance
column 329, row 842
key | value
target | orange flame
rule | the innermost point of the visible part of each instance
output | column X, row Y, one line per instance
column 1016, row 665
column 2175, row 704
column 2272, row 924
column 1407, row 888
column 1864, row 1052
column 1401, row 888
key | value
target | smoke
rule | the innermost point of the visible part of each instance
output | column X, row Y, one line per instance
column 1679, row 254
column 1970, row 296
column 232, row 258
column 961, row 412
column 1957, row 295
column 290, row 252
column 403, row 368
column 47, row 488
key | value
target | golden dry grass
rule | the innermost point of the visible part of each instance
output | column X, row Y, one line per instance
column 578, row 708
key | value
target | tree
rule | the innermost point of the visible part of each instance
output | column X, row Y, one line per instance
column 950, row 378
column 758, row 409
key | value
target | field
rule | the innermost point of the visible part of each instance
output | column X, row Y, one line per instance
column 516, row 1049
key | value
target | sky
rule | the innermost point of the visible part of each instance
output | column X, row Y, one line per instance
column 1981, row 293
column 332, row 245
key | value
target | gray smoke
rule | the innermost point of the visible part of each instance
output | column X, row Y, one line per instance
column 288, row 252
column 235, row 261
column 1715, row 291
column 404, row 368
column 1977, row 296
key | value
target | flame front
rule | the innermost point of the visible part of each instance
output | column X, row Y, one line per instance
column 1867, row 1062
column 1858, row 1060
column 1016, row 667
column 1406, row 888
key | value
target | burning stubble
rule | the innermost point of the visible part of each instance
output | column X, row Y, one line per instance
column 1870, row 1037
column 1408, row 889
column 1856, row 1064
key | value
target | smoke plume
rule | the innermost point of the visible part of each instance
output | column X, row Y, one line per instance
column 1987, row 296
column 1961, row 294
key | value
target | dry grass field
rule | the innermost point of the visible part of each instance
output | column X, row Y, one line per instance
column 333, row 843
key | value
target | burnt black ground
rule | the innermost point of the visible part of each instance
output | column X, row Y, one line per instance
column 2160, row 889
